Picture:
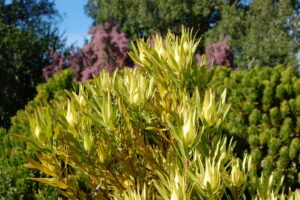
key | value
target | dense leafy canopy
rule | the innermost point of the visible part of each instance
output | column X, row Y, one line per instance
column 264, row 33
column 265, row 117
column 27, row 34
column 138, row 18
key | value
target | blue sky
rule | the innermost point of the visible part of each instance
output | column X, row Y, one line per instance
column 75, row 23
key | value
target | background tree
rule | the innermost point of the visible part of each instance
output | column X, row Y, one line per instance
column 264, row 33
column 27, row 35
column 107, row 50
column 140, row 18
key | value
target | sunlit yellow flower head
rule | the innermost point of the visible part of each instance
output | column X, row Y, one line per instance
column 71, row 114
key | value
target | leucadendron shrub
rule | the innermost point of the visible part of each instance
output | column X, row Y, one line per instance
column 153, row 132
column 265, row 114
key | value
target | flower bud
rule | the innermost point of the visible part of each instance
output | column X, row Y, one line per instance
column 81, row 100
column 186, row 47
column 136, row 98
column 107, row 110
column 87, row 142
column 178, row 187
column 79, row 97
column 175, row 195
column 102, row 154
column 178, row 57
column 37, row 130
column 189, row 131
column 297, row 194
column 238, row 178
column 127, row 183
column 211, row 176
column 70, row 117
column 161, row 52
column 143, row 58
column 209, row 108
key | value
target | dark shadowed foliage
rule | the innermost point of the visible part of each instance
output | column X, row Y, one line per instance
column 107, row 50
column 27, row 34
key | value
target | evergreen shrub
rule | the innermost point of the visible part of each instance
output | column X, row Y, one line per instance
column 54, row 89
column 265, row 116
column 13, row 176
column 152, row 132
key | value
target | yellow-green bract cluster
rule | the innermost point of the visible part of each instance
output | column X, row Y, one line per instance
column 153, row 132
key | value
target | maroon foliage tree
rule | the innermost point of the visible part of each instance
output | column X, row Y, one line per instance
column 58, row 64
column 217, row 54
column 107, row 50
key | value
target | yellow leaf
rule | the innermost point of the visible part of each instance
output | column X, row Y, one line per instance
column 51, row 181
column 35, row 165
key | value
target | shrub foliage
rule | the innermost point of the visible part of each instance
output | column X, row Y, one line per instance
column 152, row 132
column 13, row 176
column 265, row 112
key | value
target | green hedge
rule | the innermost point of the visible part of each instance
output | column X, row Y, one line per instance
column 13, row 153
column 265, row 116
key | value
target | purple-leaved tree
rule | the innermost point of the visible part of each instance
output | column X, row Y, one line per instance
column 107, row 50
column 58, row 64
column 217, row 54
